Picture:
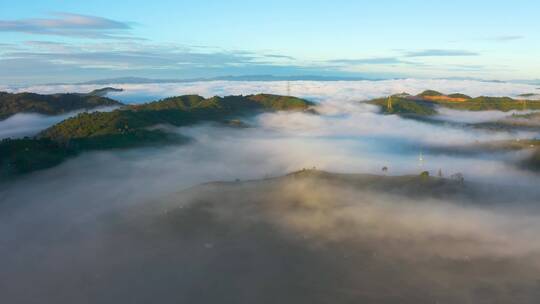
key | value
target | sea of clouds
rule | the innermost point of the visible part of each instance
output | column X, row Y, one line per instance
column 334, row 97
column 348, row 135
column 57, row 226
column 318, row 90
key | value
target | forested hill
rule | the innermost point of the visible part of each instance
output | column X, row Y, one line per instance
column 54, row 104
column 130, row 126
column 426, row 103
column 177, row 111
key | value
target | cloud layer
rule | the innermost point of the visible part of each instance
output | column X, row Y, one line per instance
column 135, row 220
column 331, row 91
column 440, row 53
column 335, row 98
column 30, row 124
column 116, row 219
column 68, row 24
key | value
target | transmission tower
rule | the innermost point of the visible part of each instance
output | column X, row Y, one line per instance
column 288, row 88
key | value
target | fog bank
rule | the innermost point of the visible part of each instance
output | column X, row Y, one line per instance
column 134, row 226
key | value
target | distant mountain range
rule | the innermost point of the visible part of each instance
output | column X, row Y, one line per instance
column 268, row 77
column 142, row 80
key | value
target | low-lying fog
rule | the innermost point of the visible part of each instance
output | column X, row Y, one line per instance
column 338, row 94
column 112, row 227
column 30, row 124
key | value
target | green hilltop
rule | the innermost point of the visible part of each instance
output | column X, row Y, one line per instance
column 54, row 104
column 430, row 93
column 404, row 105
column 485, row 103
column 132, row 126
column 459, row 95
column 176, row 111
column 426, row 103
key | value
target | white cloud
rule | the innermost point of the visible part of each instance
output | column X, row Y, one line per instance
column 475, row 116
column 30, row 124
column 67, row 24
column 334, row 97
column 27, row 124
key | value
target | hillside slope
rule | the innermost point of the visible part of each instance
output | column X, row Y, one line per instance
column 426, row 103
column 130, row 126
column 54, row 104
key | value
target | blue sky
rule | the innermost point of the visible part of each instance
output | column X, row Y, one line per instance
column 70, row 41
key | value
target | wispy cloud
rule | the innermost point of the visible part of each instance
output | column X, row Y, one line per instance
column 47, row 46
column 68, row 24
column 440, row 53
column 58, row 62
column 505, row 38
column 379, row 60
column 468, row 67
column 144, row 58
column 278, row 56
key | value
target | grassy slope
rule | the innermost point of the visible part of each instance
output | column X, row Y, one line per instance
column 424, row 104
column 129, row 127
column 484, row 103
column 427, row 93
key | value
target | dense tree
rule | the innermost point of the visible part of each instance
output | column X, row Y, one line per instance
column 54, row 104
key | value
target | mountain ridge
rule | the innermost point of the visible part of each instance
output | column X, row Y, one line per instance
column 53, row 104
column 133, row 126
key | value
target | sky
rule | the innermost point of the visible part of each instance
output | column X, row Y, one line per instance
column 49, row 41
